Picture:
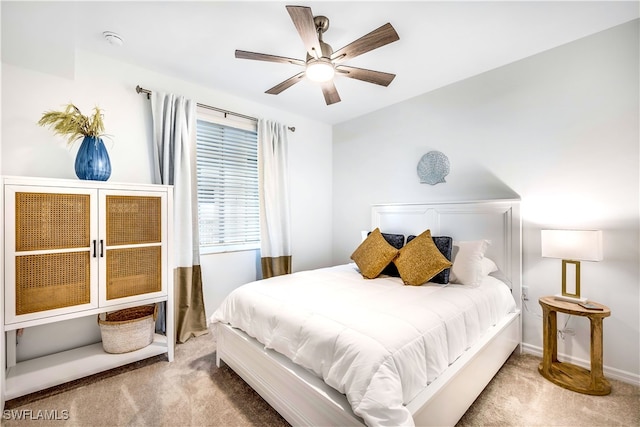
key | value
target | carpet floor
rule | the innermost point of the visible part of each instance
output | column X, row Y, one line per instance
column 192, row 391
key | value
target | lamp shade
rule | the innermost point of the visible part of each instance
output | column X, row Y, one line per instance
column 582, row 245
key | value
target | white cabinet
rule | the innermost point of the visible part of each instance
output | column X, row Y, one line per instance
column 75, row 249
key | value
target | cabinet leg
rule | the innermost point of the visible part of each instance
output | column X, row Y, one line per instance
column 11, row 348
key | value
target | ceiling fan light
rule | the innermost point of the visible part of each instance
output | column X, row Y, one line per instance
column 320, row 71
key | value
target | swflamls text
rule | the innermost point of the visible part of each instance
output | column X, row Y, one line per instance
column 31, row 415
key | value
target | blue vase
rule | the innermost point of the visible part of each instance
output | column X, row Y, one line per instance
column 92, row 160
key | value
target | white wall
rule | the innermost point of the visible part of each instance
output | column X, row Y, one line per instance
column 559, row 129
column 30, row 150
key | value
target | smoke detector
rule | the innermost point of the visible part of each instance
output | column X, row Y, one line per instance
column 113, row 38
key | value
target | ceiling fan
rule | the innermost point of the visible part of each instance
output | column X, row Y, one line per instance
column 322, row 63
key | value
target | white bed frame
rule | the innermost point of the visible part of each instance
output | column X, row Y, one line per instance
column 304, row 399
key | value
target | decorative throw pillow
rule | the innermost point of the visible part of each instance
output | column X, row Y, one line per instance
column 397, row 241
column 445, row 245
column 373, row 255
column 420, row 260
column 488, row 266
column 467, row 261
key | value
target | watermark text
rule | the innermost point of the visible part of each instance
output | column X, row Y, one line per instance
column 35, row 415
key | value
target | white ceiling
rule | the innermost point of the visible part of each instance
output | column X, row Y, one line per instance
column 440, row 42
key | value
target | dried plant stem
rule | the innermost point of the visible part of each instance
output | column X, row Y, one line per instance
column 72, row 124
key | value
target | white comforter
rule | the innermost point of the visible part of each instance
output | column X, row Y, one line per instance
column 377, row 341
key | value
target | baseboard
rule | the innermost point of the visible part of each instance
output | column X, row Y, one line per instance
column 609, row 372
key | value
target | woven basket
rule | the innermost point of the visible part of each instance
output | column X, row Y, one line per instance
column 128, row 329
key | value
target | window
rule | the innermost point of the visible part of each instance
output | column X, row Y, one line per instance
column 227, row 173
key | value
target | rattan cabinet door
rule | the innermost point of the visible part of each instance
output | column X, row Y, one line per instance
column 48, row 251
column 135, row 252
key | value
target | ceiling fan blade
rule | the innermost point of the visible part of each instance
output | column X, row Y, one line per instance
column 330, row 92
column 375, row 39
column 285, row 84
column 243, row 54
column 302, row 18
column 376, row 77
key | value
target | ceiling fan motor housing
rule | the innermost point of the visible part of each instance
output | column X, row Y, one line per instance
column 320, row 69
column 327, row 51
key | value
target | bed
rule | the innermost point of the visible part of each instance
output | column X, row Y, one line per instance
column 323, row 386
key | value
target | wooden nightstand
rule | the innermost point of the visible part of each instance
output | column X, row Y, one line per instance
column 565, row 374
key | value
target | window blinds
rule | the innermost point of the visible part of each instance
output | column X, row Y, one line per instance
column 227, row 174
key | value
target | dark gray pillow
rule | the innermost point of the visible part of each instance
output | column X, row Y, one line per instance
column 397, row 241
column 445, row 245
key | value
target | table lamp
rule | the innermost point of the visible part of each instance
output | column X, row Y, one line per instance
column 572, row 246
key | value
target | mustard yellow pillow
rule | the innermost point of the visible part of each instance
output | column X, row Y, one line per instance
column 420, row 260
column 373, row 255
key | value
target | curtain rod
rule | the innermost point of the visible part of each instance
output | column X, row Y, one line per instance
column 209, row 107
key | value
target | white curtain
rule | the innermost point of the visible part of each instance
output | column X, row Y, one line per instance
column 174, row 135
column 273, row 172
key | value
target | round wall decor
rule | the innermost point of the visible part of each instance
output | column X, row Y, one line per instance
column 433, row 167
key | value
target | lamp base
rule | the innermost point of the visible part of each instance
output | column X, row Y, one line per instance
column 570, row 299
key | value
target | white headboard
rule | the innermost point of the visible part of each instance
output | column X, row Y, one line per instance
column 494, row 220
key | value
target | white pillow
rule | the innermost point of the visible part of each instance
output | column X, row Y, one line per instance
column 467, row 259
column 488, row 266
